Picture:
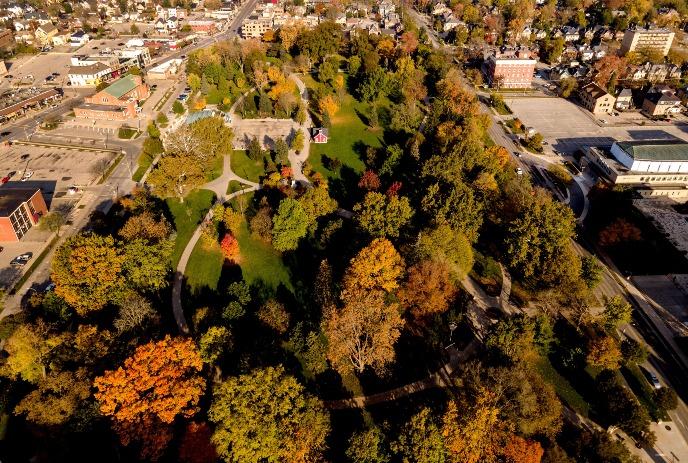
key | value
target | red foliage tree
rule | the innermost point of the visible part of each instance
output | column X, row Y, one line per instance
column 393, row 189
column 196, row 446
column 230, row 247
column 286, row 172
column 520, row 450
column 369, row 181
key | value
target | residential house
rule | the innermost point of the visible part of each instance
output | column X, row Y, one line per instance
column 320, row 135
column 61, row 38
column 596, row 99
column 661, row 101
column 39, row 16
column 624, row 101
column 117, row 102
column 45, row 32
column 79, row 38
column 570, row 33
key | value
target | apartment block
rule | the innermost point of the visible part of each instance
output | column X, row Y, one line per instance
column 650, row 38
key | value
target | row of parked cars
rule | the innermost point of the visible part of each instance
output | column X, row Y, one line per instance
column 25, row 176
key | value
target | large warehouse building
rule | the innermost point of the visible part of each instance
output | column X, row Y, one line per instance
column 657, row 156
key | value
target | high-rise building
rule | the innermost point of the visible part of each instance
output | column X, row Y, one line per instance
column 647, row 38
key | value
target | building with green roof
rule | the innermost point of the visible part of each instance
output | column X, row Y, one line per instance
column 118, row 101
column 652, row 156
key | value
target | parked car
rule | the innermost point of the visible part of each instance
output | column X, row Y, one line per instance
column 56, row 74
column 519, row 171
column 517, row 154
column 121, row 44
column 73, row 190
column 9, row 76
column 5, row 133
column 27, row 175
column 22, row 259
column 5, row 179
column 1, row 249
column 654, row 381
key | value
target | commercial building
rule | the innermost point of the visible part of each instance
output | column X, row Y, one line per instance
column 596, row 99
column 647, row 38
column 165, row 70
column 508, row 68
column 11, row 107
column 117, row 102
column 255, row 26
column 88, row 76
column 20, row 209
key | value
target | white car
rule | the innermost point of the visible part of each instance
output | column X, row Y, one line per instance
column 519, row 171
column 73, row 190
column 27, row 175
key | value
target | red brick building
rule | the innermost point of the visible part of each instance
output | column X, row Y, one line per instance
column 508, row 68
column 117, row 102
column 20, row 209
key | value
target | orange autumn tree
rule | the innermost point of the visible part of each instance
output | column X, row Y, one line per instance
column 230, row 247
column 158, row 383
column 520, row 450
column 428, row 289
column 378, row 266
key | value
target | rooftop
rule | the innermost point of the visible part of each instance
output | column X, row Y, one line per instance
column 11, row 199
column 122, row 86
column 88, row 70
column 656, row 150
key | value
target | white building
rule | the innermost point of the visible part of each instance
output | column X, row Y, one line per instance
column 79, row 38
column 655, row 156
column 650, row 38
column 88, row 76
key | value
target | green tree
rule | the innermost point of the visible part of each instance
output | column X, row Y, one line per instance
column 382, row 216
column 454, row 204
column 290, row 224
column 240, row 296
column 146, row 265
column 134, row 29
column 255, row 151
column 354, row 64
column 214, row 343
column 513, row 338
column 447, row 246
column 591, row 271
column 534, row 142
column 281, row 152
column 53, row 221
column 178, row 107
column 298, row 141
column 161, row 119
column 264, row 104
column 633, row 352
column 267, row 416
column 58, row 398
column 367, row 446
column 28, row 349
column 617, row 311
column 316, row 202
column 567, row 86
column 194, row 82
column 176, row 176
column 420, row 440
column 665, row 398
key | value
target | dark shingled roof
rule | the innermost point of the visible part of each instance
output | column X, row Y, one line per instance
column 11, row 199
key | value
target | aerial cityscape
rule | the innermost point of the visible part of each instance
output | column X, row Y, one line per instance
column 366, row 231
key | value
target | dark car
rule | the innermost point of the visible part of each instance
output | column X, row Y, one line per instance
column 5, row 133
column 22, row 259
column 1, row 249
column 9, row 76
column 121, row 44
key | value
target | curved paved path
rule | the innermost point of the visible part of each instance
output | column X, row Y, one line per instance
column 219, row 187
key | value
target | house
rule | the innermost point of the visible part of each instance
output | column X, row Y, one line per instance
column 116, row 102
column 171, row 23
column 21, row 207
column 624, row 100
column 6, row 39
column 61, row 38
column 45, row 33
column 204, row 27
column 509, row 68
column 596, row 99
column 320, row 135
column 79, row 38
column 88, row 76
column 661, row 101
column 570, row 33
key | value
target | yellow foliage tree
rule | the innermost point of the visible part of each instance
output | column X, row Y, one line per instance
column 328, row 105
column 376, row 267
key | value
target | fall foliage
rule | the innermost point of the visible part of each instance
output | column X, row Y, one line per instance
column 427, row 289
column 520, row 450
column 376, row 267
column 230, row 247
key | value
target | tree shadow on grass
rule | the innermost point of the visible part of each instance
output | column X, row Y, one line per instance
column 343, row 188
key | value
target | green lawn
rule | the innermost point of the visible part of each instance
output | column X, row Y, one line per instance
column 260, row 262
column 187, row 216
column 561, row 385
column 204, row 267
column 245, row 167
column 215, row 170
column 234, row 186
column 347, row 132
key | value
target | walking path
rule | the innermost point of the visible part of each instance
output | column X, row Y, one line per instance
column 219, row 187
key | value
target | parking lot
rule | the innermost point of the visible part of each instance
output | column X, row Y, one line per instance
column 34, row 242
column 265, row 130
column 65, row 167
column 568, row 127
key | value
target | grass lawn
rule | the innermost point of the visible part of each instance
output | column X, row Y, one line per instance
column 205, row 266
column 561, row 385
column 260, row 262
column 348, row 135
column 234, row 186
column 215, row 170
column 245, row 167
column 187, row 216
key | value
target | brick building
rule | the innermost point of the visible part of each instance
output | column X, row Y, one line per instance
column 117, row 102
column 20, row 209
column 509, row 68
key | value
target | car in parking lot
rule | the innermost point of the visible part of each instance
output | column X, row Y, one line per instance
column 5, row 133
column 27, row 175
column 22, row 259
column 5, row 179
column 653, row 380
column 519, row 171
column 183, row 97
column 121, row 44
column 9, row 76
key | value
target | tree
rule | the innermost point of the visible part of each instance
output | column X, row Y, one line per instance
column 28, row 349
column 617, row 311
column 145, row 226
column 316, row 202
column 534, row 142
column 608, row 67
column 281, row 152
column 267, row 415
column 591, row 271
column 373, row 119
column 367, row 447
column 420, row 440
column 428, row 289
column 448, row 247
column 261, row 224
column 240, row 297
column 146, row 265
column 274, row 315
column 134, row 312
column 264, row 104
column 178, row 108
column 194, row 82
column 665, row 398
column 471, row 436
column 604, row 352
column 369, row 181
column 298, row 141
column 378, row 266
column 453, row 204
column 290, row 224
column 53, row 221
column 230, row 247
column 159, row 382
column 328, row 105
column 196, row 446
column 58, row 398
column 287, row 35
column 176, row 176
column 513, row 338
column 633, row 352
column 560, row 174
column 619, row 231
column 214, row 343
column 134, row 29
column 88, row 271
column 381, row 215
column 520, row 450
column 363, row 332
column 161, row 119
column 567, row 86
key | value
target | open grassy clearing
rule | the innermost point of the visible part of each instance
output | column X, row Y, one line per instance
column 246, row 167
column 205, row 266
column 260, row 262
column 186, row 217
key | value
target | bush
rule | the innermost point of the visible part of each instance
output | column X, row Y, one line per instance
column 560, row 174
